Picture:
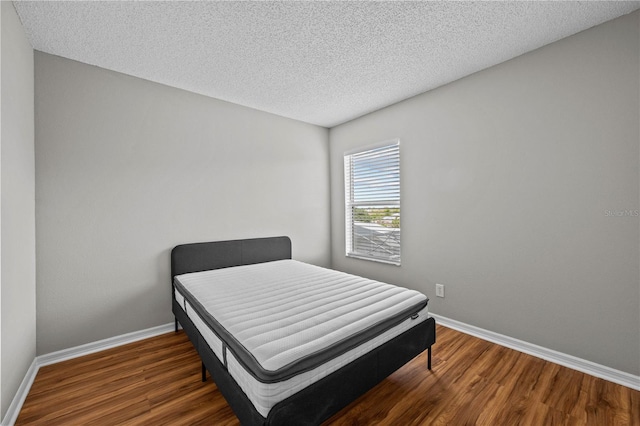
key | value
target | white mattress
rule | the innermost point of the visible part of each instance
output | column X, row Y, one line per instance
column 293, row 319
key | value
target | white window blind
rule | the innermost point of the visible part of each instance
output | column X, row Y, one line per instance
column 372, row 201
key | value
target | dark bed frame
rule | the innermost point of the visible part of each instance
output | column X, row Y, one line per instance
column 319, row 401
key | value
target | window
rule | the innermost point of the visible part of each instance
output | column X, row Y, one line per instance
column 372, row 203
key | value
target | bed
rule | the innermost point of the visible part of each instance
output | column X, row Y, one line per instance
column 265, row 381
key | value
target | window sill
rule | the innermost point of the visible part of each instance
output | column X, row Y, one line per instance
column 374, row 259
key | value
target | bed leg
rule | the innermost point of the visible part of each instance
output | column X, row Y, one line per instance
column 204, row 373
column 429, row 358
column 176, row 323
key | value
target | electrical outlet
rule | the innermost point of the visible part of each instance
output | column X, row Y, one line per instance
column 440, row 290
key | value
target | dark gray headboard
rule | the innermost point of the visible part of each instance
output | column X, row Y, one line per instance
column 198, row 257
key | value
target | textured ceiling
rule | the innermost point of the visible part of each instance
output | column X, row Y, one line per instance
column 320, row 62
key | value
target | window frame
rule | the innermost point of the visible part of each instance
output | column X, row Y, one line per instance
column 350, row 249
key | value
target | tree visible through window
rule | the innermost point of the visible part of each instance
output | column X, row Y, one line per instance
column 372, row 201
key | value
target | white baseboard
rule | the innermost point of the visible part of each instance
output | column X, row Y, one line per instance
column 23, row 390
column 570, row 361
column 16, row 404
column 102, row 345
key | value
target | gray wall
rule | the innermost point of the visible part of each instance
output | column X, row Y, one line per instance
column 126, row 169
column 512, row 180
column 18, row 306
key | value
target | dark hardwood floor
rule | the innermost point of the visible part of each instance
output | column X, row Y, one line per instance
column 157, row 381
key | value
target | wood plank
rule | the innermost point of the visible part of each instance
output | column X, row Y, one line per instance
column 157, row 381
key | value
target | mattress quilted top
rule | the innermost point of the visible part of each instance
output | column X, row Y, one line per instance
column 280, row 316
